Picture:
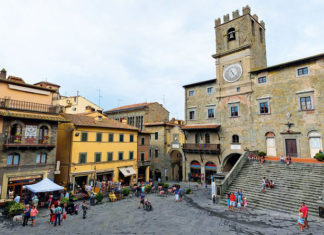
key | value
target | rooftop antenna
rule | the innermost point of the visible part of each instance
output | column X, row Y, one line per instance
column 99, row 96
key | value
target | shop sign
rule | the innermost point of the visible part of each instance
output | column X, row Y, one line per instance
column 30, row 131
column 175, row 146
column 24, row 177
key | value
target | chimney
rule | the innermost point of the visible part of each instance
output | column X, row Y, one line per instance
column 3, row 74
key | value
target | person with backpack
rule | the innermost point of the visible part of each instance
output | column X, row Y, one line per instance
column 58, row 212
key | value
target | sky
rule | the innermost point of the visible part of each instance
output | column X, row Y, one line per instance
column 137, row 51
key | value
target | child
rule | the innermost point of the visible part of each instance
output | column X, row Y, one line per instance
column 33, row 213
column 228, row 201
column 245, row 204
column 239, row 202
column 301, row 221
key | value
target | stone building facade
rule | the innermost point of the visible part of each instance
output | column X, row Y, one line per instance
column 28, row 132
column 273, row 109
column 139, row 114
column 143, row 158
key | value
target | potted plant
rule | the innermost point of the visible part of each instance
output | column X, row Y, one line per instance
column 99, row 197
column 319, row 156
column 125, row 191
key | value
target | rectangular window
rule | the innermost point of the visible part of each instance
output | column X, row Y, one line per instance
column 131, row 138
column 41, row 158
column 97, row 157
column 302, row 71
column 191, row 93
column 210, row 90
column 264, row 107
column 156, row 135
column 306, row 103
column 262, row 79
column 84, row 136
column 234, row 111
column 238, row 89
column 142, row 156
column 121, row 137
column 211, row 113
column 82, row 158
column 120, row 156
column 143, row 141
column 192, row 115
column 111, row 137
column 131, row 155
column 99, row 137
column 109, row 156
column 13, row 159
column 156, row 152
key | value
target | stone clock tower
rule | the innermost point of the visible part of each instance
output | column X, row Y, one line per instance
column 240, row 48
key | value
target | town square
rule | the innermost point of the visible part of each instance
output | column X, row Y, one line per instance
column 161, row 117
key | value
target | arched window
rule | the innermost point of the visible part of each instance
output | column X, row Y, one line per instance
column 13, row 159
column 207, row 138
column 43, row 135
column 235, row 139
column 41, row 158
column 231, row 34
column 15, row 133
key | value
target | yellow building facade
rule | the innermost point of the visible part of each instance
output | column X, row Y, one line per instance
column 94, row 148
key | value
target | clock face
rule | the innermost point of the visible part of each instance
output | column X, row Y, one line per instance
column 232, row 73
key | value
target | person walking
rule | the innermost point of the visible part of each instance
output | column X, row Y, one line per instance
column 232, row 201
column 301, row 221
column 84, row 209
column 33, row 214
column 141, row 200
column 52, row 214
column 245, row 204
column 35, row 201
column 58, row 212
column 17, row 198
column 304, row 210
column 26, row 214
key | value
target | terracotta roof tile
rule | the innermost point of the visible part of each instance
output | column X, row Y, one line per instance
column 88, row 121
column 27, row 115
column 126, row 107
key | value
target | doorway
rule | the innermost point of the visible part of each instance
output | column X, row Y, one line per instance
column 291, row 147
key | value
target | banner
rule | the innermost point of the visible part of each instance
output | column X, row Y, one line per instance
column 30, row 131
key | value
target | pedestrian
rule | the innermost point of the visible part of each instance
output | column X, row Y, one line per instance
column 228, row 201
column 301, row 221
column 237, row 195
column 239, row 203
column 206, row 186
column 26, row 214
column 17, row 198
column 33, row 213
column 27, row 199
column 245, row 204
column 84, row 209
column 141, row 200
column 58, row 212
column 52, row 214
column 176, row 195
column 35, row 201
column 67, row 195
column 304, row 210
column 214, row 199
column 180, row 193
column 50, row 201
column 232, row 201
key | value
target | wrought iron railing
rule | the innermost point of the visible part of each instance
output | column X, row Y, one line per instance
column 27, row 106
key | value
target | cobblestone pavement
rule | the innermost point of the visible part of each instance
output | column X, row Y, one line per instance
column 194, row 215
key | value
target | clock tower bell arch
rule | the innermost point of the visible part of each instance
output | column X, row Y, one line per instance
column 240, row 48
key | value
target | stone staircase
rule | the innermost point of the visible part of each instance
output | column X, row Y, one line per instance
column 296, row 183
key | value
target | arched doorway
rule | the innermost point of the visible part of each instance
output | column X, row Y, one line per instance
column 195, row 171
column 230, row 161
column 210, row 169
column 315, row 142
column 176, row 165
column 271, row 144
column 157, row 174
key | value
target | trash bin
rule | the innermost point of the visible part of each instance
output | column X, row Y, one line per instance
column 321, row 211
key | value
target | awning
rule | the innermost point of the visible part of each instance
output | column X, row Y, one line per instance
column 46, row 185
column 127, row 171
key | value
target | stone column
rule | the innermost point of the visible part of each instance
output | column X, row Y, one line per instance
column 147, row 174
column 203, row 173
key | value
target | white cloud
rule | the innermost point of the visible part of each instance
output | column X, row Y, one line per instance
column 138, row 50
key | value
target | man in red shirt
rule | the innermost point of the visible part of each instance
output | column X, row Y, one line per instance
column 304, row 210
column 232, row 201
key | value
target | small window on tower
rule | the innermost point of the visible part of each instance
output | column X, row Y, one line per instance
column 231, row 34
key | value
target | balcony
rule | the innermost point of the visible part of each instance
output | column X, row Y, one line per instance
column 19, row 142
column 28, row 106
column 201, row 148
column 143, row 163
